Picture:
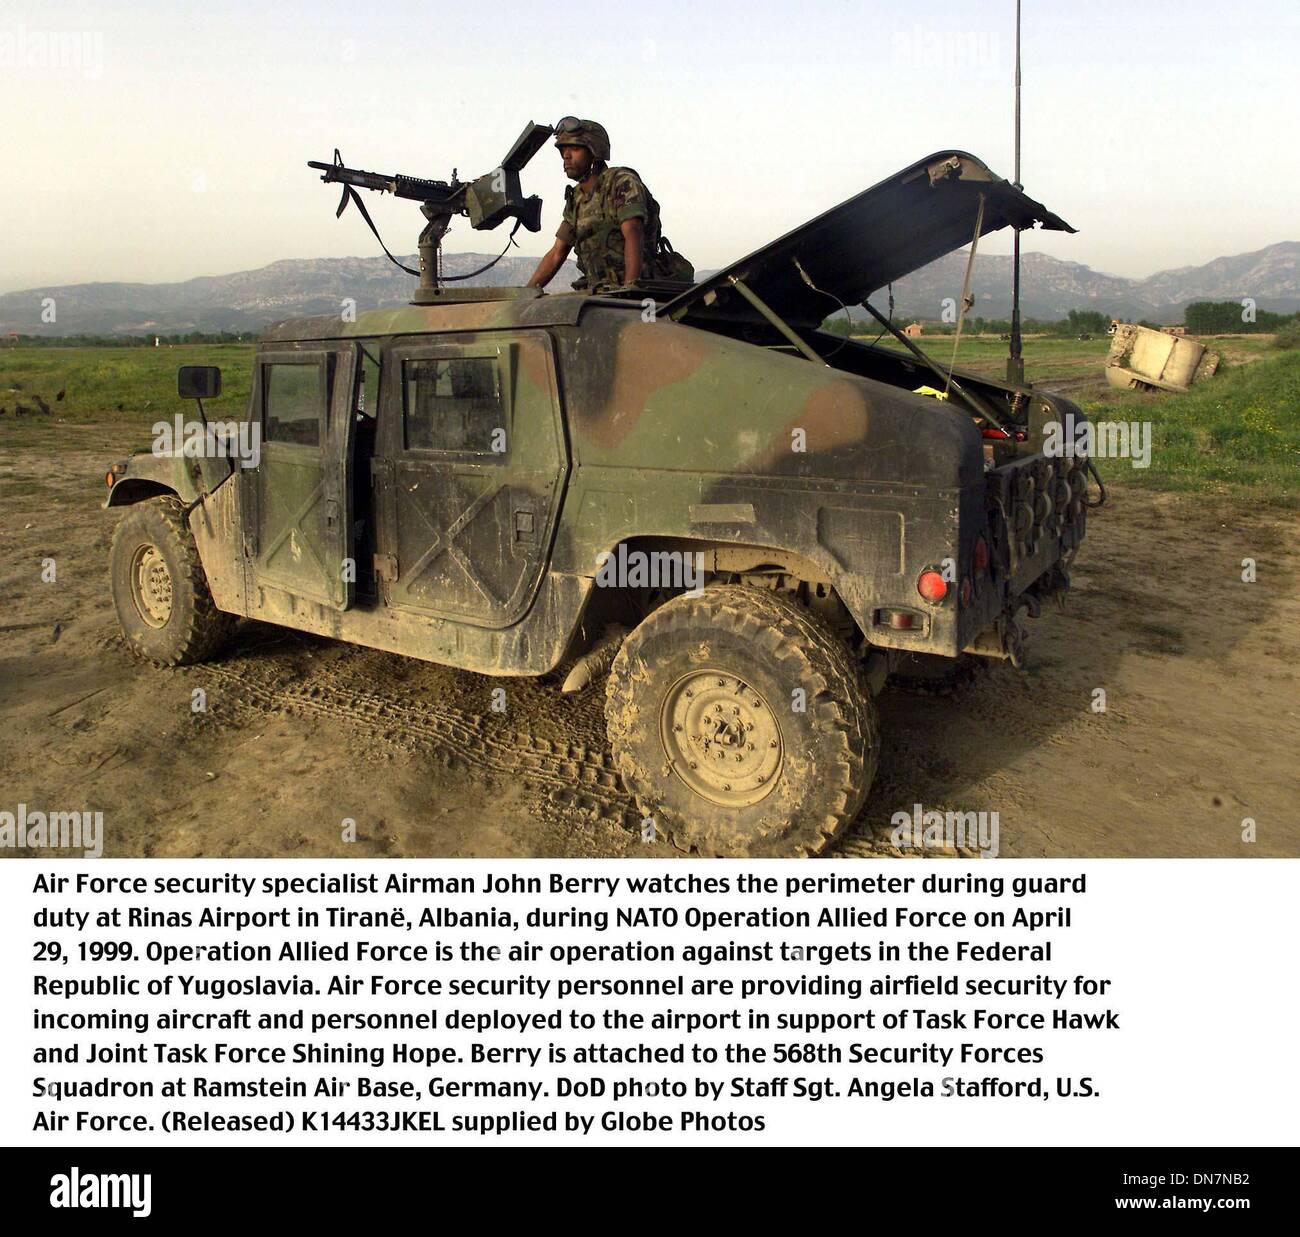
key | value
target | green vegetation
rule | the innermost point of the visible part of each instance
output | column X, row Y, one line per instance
column 1057, row 358
column 1202, row 318
column 838, row 324
column 116, row 384
column 1079, row 322
column 129, row 341
column 1237, row 434
column 1084, row 322
column 1226, row 318
column 1288, row 336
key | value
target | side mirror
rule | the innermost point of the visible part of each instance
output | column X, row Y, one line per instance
column 198, row 382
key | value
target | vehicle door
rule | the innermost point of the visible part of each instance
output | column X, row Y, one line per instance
column 298, row 524
column 471, row 464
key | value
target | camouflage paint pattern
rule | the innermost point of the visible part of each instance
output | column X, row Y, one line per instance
column 628, row 430
column 593, row 224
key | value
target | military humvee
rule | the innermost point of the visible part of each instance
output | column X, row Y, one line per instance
column 763, row 519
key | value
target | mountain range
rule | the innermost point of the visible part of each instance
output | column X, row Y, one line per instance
column 1050, row 288
column 247, row 300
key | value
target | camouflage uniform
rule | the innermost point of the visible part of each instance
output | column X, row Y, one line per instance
column 593, row 222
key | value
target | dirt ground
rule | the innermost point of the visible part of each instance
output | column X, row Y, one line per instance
column 300, row 736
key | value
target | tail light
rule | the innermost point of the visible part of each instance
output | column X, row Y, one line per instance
column 932, row 586
column 900, row 620
column 1001, row 435
column 980, row 555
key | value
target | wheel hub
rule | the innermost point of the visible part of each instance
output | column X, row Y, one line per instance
column 151, row 586
column 721, row 738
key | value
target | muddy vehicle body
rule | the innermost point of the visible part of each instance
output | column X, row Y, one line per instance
column 749, row 520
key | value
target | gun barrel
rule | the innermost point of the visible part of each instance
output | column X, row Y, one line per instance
column 414, row 187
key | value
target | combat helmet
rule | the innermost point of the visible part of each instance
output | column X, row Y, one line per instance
column 574, row 132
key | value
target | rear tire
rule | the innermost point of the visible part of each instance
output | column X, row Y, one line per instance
column 160, row 591
column 741, row 724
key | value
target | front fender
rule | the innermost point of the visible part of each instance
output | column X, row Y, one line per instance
column 146, row 476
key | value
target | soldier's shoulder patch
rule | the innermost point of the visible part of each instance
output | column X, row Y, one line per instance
column 627, row 194
column 625, row 176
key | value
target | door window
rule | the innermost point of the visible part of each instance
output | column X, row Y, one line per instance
column 291, row 396
column 454, row 404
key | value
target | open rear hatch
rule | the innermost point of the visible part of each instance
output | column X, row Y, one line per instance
column 1034, row 505
column 854, row 249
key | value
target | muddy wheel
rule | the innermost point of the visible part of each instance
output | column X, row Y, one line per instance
column 923, row 674
column 741, row 724
column 159, row 588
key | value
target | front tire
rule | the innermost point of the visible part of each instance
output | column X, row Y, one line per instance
column 741, row 724
column 160, row 591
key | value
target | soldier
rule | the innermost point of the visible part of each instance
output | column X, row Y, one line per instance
column 610, row 218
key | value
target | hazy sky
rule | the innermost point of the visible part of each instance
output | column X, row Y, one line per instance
column 158, row 141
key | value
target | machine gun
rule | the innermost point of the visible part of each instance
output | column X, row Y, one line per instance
column 487, row 201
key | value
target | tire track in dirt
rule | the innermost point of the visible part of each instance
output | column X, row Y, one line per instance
column 575, row 776
column 571, row 772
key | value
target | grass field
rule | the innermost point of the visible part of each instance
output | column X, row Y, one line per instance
column 1237, row 435
column 1050, row 358
column 116, row 384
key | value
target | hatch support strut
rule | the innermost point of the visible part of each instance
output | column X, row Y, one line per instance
column 966, row 299
column 770, row 314
column 976, row 402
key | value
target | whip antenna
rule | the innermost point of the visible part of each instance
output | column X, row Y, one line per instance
column 1015, row 361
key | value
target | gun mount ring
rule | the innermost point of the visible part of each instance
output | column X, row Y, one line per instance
column 721, row 738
